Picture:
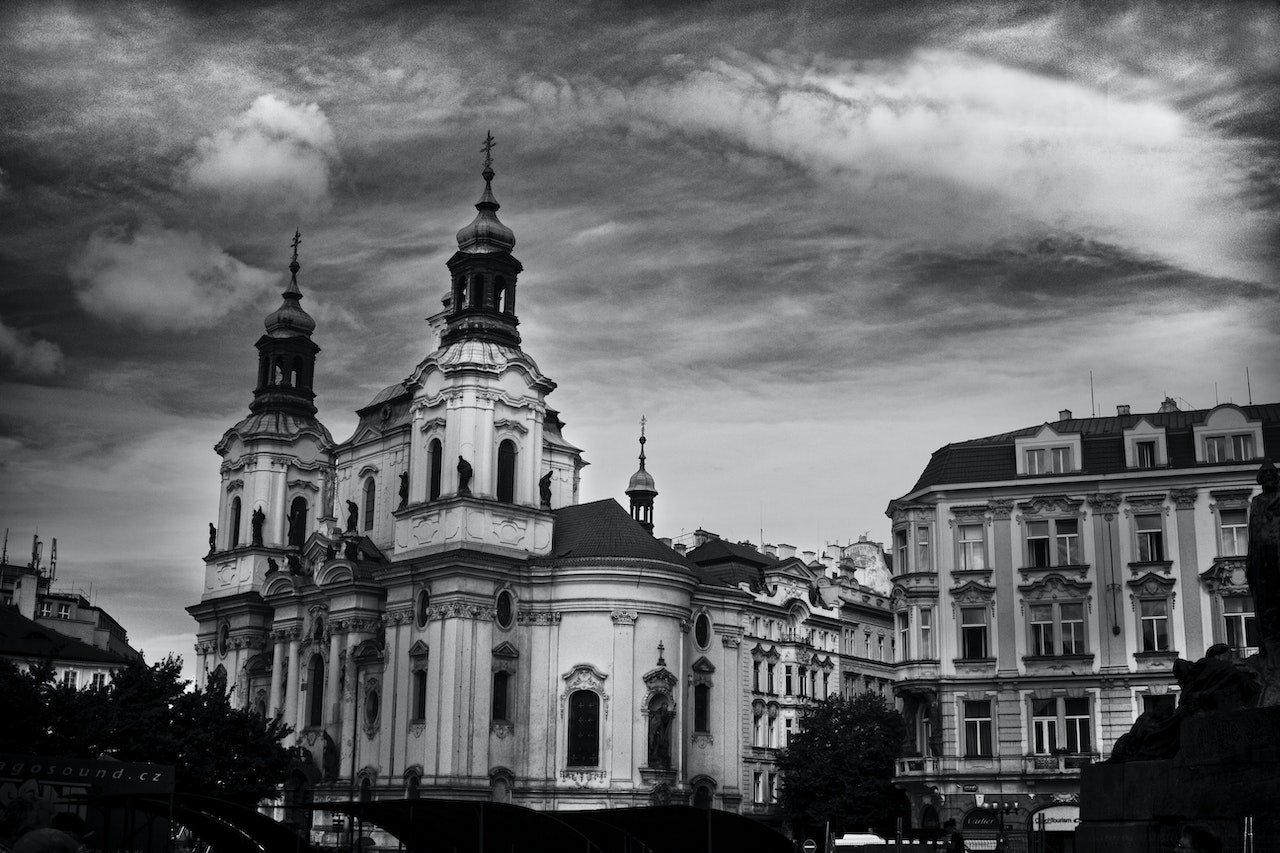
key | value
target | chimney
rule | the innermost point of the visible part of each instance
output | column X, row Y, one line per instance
column 833, row 552
column 808, row 556
column 1122, row 409
column 1169, row 405
column 1064, row 415
column 771, row 550
column 680, row 548
column 666, row 540
column 786, row 552
column 702, row 537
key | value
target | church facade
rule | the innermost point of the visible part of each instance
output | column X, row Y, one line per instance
column 433, row 611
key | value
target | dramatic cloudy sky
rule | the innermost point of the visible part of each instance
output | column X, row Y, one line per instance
column 811, row 242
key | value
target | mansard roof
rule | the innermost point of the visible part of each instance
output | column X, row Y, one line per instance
column 729, row 564
column 993, row 457
column 26, row 639
column 603, row 529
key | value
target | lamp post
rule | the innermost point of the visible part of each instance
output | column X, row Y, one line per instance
column 1000, row 809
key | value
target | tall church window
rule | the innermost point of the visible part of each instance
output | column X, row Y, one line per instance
column 370, row 494
column 435, row 454
column 298, row 522
column 315, row 691
column 420, row 695
column 702, row 708
column 501, row 683
column 584, row 729
column 235, row 522
column 507, row 471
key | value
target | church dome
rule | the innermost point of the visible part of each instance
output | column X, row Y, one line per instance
column 289, row 319
column 642, row 481
column 486, row 233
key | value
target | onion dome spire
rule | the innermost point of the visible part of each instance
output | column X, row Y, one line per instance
column 486, row 233
column 642, row 489
column 289, row 319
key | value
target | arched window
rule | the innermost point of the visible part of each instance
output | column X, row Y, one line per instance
column 297, row 371
column 370, row 493
column 702, row 796
column 413, row 788
column 366, row 790
column 235, row 522
column 584, row 728
column 315, row 691
column 501, row 682
column 435, row 454
column 500, row 294
column 419, row 695
column 701, row 707
column 507, row 471
column 298, row 522
column 477, row 292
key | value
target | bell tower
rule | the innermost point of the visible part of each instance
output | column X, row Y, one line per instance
column 642, row 489
column 286, row 353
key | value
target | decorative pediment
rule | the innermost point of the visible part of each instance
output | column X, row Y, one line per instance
column 769, row 654
column 1051, row 505
column 281, row 583
column 419, row 650
column 660, row 679
column 584, row 676
column 304, row 484
column 432, row 424
column 904, row 512
column 237, row 483
column 1231, row 498
column 971, row 514
column 1226, row 577
column 1055, row 586
column 508, row 424
column 703, row 665
column 1151, row 584
column 506, row 650
column 259, row 664
column 369, row 651
column 1145, row 504
column 973, row 593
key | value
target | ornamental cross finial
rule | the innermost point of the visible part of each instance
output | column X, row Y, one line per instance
column 297, row 240
column 487, row 148
column 643, row 421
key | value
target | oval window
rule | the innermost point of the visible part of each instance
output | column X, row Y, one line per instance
column 424, row 607
column 371, row 706
column 224, row 639
column 506, row 608
column 702, row 630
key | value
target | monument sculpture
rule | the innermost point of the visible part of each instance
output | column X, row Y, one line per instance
column 464, row 476
column 258, row 520
column 353, row 516
column 213, row 538
column 404, row 489
column 544, row 490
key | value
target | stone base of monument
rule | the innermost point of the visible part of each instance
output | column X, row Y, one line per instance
column 1227, row 770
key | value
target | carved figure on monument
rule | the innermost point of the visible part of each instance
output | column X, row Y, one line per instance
column 353, row 516
column 213, row 538
column 464, row 476
column 660, row 717
column 352, row 549
column 295, row 563
column 272, row 565
column 404, row 489
column 544, row 490
column 1262, row 566
column 326, row 495
column 258, row 519
column 330, row 759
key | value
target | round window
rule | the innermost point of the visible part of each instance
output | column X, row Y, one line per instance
column 224, row 639
column 506, row 608
column 371, row 706
column 424, row 607
column 702, row 630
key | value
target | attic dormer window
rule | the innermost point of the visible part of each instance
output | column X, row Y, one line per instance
column 1048, row 460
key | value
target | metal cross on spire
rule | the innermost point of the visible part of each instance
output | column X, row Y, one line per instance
column 297, row 240
column 487, row 148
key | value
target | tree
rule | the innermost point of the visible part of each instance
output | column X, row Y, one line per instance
column 147, row 713
column 839, row 767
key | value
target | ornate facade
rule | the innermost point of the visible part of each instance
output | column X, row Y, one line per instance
column 1045, row 581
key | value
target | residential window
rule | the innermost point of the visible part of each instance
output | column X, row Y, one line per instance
column 1150, row 538
column 973, row 633
column 1215, row 449
column 900, row 552
column 584, row 729
column 923, row 563
column 1242, row 447
column 1079, row 724
column 1038, row 544
column 1235, row 532
column 1060, row 458
column 1056, row 628
column 826, row 685
column 1144, row 453
column 1071, row 623
column 866, row 644
column 771, row 723
column 977, row 728
column 1154, row 619
column 1041, row 621
column 1066, row 532
column 927, row 651
column 757, row 729
column 99, row 680
column 1048, row 460
column 788, row 680
column 1242, row 627
column 70, row 677
column 702, row 707
column 786, row 724
column 1044, row 725
column 904, row 633
column 1160, row 704
column 45, row 610
column 973, row 550
column 773, row 787
column 64, row 610
column 1053, row 542
column 880, row 647
column 755, row 675
column 770, row 683
column 758, row 786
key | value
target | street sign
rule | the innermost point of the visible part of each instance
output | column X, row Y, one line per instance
column 810, row 846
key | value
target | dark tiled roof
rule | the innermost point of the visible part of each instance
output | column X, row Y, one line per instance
column 1102, row 445
column 722, row 563
column 718, row 550
column 24, row 638
column 603, row 530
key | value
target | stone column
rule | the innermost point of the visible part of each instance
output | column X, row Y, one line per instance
column 278, row 514
column 293, row 687
column 1110, row 584
column 1189, row 573
column 350, row 696
column 277, row 665
column 1003, row 560
column 624, row 630
column 331, row 695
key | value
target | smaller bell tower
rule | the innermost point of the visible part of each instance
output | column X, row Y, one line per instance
column 642, row 489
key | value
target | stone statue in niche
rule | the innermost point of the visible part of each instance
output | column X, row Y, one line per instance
column 464, row 476
column 544, row 490
column 326, row 495
column 258, row 520
column 404, row 489
column 353, row 516
column 660, row 717
column 1262, row 566
column 213, row 538
column 330, row 759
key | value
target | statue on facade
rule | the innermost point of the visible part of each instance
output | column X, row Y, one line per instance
column 660, row 717
column 326, row 495
column 1262, row 566
column 351, row 550
column 258, row 520
column 544, row 490
column 330, row 759
column 353, row 516
column 272, row 565
column 295, row 564
column 213, row 538
column 404, row 489
column 297, row 522
column 464, row 476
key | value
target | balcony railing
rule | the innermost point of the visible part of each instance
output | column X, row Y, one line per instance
column 1068, row 763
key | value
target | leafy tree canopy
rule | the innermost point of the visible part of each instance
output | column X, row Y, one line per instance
column 839, row 767
column 146, row 713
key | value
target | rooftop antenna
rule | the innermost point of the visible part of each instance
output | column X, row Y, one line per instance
column 1215, row 393
column 4, row 557
column 1247, row 385
column 53, row 560
column 35, row 551
column 1093, row 406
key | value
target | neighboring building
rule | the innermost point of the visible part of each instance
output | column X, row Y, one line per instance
column 431, row 608
column 1044, row 582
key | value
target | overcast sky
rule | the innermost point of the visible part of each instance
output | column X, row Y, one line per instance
column 812, row 243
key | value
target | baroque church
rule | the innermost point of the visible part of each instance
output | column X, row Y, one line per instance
column 432, row 610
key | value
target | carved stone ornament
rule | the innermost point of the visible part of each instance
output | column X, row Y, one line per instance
column 1051, row 505
column 624, row 617
column 1000, row 508
column 659, row 681
column 973, row 593
column 730, row 641
column 1105, row 503
column 506, row 658
column 237, row 483
column 971, row 514
column 538, row 617
column 584, row 778
column 1146, row 504
column 1054, row 587
column 1231, row 498
column 702, row 740
column 1151, row 585
column 584, row 676
column 1183, row 498
column 1226, row 577
column 502, row 729
column 703, row 669
column 416, row 729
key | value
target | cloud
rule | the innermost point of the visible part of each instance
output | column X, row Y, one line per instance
column 161, row 279
column 276, row 154
column 28, row 354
